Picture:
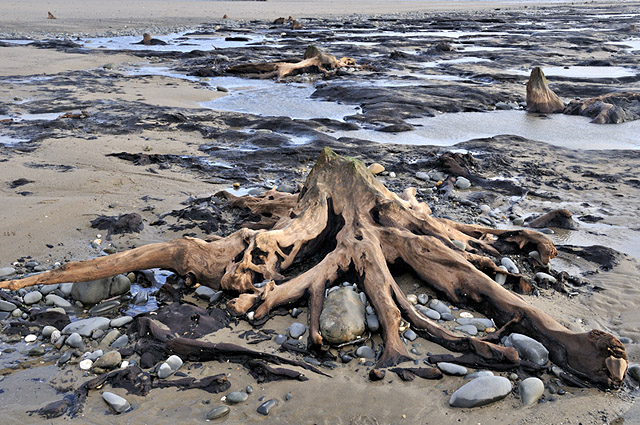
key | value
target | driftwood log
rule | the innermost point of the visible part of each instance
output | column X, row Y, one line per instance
column 345, row 224
column 540, row 98
column 314, row 61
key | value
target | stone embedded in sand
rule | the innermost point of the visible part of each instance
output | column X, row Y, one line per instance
column 343, row 316
column 117, row 403
column 531, row 389
column 109, row 360
column 452, row 369
column 540, row 98
column 95, row 291
column 86, row 327
column 528, row 348
column 481, row 391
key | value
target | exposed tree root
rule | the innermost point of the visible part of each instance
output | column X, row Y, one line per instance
column 314, row 61
column 349, row 223
column 540, row 98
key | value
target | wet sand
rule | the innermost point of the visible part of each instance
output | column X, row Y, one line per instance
column 60, row 204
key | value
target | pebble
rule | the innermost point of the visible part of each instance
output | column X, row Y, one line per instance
column 110, row 337
column 295, row 312
column 104, row 307
column 372, row 322
column 510, row 265
column 447, row 317
column 85, row 327
column 281, row 339
column 120, row 321
column 37, row 351
column 528, row 348
column 540, row 277
column 204, row 292
column 122, row 341
column 174, row 362
column 468, row 329
column 463, row 183
column 47, row 331
column 365, row 352
column 466, row 315
column 74, row 340
column 266, row 407
column 536, row 256
column 117, row 403
column 249, row 389
column 7, row 271
column 47, row 289
column 16, row 313
column 478, row 374
column 30, row 338
column 430, row 313
column 164, row 371
column 7, row 306
column 531, row 389
column 109, row 360
column 423, row 299
column 32, row 297
column 224, row 90
column 296, row 330
column 218, row 412
column 439, row 306
column 484, row 208
column 518, row 221
column 236, row 397
column 421, row 175
column 58, row 301
column 216, row 297
column 500, row 279
column 346, row 358
column 459, row 244
column 634, row 372
column 65, row 288
column 86, row 364
column 64, row 358
column 93, row 356
column 410, row 335
column 95, row 291
column 485, row 221
column 452, row 369
column 480, row 323
column 481, row 391
column 413, row 299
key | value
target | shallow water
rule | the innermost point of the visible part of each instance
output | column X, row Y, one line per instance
column 583, row 72
column 573, row 132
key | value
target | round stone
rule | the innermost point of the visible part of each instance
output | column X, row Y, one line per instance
column 366, row 352
column 174, row 362
column 510, row 265
column 296, row 330
column 47, row 331
column 463, row 183
column 481, row 391
column 531, row 389
column 218, row 412
column 423, row 299
column 634, row 372
column 281, row 339
column 164, row 371
column 74, row 340
column 410, row 335
column 32, row 297
column 109, row 360
column 413, row 299
column 86, row 364
column 30, row 338
column 236, row 397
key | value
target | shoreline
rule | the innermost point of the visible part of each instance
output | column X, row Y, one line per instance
column 77, row 18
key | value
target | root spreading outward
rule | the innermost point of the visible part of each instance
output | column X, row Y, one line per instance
column 346, row 222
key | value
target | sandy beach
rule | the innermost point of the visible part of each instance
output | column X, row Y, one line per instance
column 92, row 126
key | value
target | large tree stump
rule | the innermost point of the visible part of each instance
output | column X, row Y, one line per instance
column 540, row 98
column 347, row 224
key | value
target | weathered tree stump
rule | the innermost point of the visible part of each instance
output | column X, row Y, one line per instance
column 540, row 98
column 314, row 61
column 347, row 224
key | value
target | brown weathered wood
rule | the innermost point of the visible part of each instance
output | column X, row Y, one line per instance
column 540, row 98
column 317, row 62
column 346, row 222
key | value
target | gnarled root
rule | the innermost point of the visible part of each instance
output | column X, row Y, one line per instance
column 346, row 222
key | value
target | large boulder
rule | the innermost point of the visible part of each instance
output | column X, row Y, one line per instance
column 343, row 316
column 540, row 98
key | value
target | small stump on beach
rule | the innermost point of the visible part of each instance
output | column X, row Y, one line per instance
column 540, row 98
